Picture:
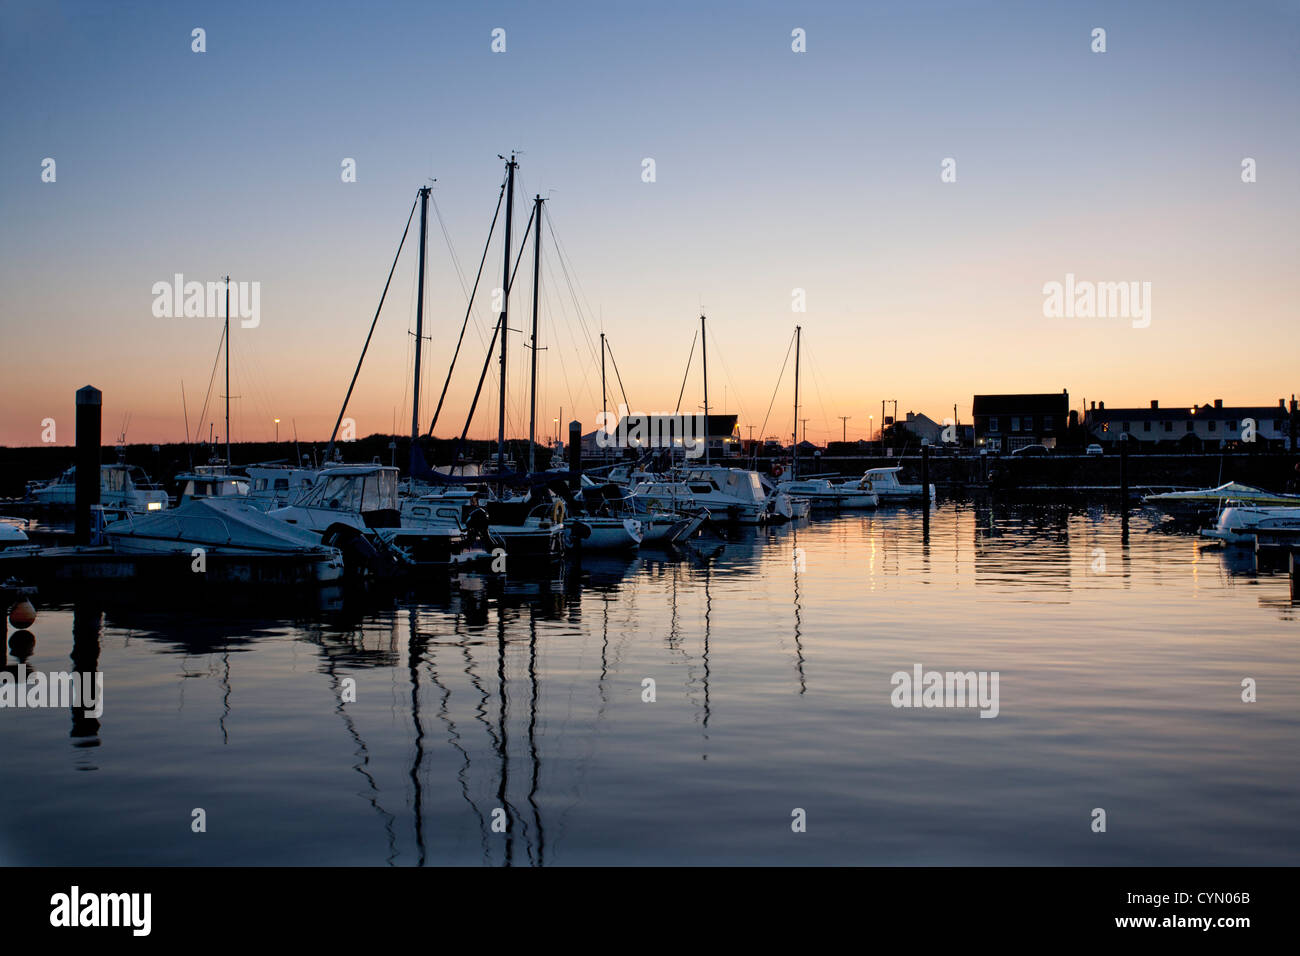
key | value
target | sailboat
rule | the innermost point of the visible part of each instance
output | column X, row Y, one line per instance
column 819, row 492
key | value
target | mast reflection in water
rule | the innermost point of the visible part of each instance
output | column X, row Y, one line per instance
column 489, row 721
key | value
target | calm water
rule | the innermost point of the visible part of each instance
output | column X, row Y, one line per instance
column 1119, row 690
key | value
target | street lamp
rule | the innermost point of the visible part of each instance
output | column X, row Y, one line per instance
column 277, row 431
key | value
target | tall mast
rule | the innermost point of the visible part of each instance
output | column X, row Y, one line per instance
column 798, row 335
column 604, row 402
column 537, row 270
column 511, row 165
column 227, row 373
column 704, row 344
column 419, row 324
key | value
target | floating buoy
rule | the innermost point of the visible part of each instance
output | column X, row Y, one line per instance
column 22, row 614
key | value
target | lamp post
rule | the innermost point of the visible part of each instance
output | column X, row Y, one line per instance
column 277, row 431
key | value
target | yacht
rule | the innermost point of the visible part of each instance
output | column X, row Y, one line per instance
column 120, row 486
column 730, row 494
column 1207, row 501
column 884, row 484
column 821, row 493
column 210, row 481
column 224, row 528
column 1239, row 523
column 356, row 507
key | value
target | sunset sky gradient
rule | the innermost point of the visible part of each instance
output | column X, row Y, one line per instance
column 775, row 171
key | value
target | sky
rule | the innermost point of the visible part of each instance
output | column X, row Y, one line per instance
column 774, row 171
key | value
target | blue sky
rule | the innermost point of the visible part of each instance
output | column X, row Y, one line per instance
column 775, row 171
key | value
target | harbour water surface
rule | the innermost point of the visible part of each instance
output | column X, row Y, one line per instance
column 1121, row 660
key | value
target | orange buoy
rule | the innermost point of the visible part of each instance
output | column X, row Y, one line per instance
column 22, row 614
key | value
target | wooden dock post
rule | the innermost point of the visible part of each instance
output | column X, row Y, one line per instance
column 1295, row 575
column 575, row 456
column 1123, row 472
column 90, row 401
column 925, row 478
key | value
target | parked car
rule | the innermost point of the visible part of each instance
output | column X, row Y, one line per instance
column 1094, row 450
column 1030, row 451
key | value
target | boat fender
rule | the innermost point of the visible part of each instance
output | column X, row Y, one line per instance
column 777, row 470
column 22, row 615
column 580, row 530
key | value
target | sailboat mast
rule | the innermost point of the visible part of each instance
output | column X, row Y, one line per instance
column 419, row 323
column 511, row 165
column 704, row 352
column 532, row 389
column 798, row 336
column 604, row 402
column 227, row 373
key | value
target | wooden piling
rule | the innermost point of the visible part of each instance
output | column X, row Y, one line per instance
column 925, row 477
column 575, row 456
column 90, row 401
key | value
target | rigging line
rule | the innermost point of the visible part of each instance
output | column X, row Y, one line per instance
column 563, row 253
column 564, row 370
column 626, row 403
column 583, row 365
column 470, row 307
column 727, row 371
column 687, row 373
column 569, row 280
column 763, row 429
column 455, row 260
column 212, row 378
column 513, row 272
column 477, row 392
column 330, row 449
column 817, row 375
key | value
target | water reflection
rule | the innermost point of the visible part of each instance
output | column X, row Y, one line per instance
column 499, row 720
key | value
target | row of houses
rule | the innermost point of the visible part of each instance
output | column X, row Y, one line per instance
column 1004, row 423
column 1007, row 422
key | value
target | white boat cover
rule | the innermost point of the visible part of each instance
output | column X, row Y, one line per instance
column 229, row 524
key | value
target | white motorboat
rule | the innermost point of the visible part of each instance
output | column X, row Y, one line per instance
column 210, row 481
column 120, row 486
column 1206, row 501
column 603, row 533
column 1239, row 523
column 221, row 528
column 13, row 537
column 352, row 504
column 275, row 486
column 525, row 528
column 821, row 493
column 729, row 494
column 884, row 484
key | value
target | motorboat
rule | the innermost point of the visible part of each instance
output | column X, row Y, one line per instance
column 1240, row 523
column 821, row 493
column 356, row 508
column 120, row 486
column 210, row 481
column 528, row 527
column 275, row 486
column 729, row 494
column 884, row 484
column 221, row 528
column 1202, row 502
column 13, row 537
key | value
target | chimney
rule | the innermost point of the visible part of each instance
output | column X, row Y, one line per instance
column 1218, row 403
column 1154, row 403
column 1094, row 406
column 1102, row 406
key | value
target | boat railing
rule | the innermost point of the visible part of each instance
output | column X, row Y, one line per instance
column 157, row 516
